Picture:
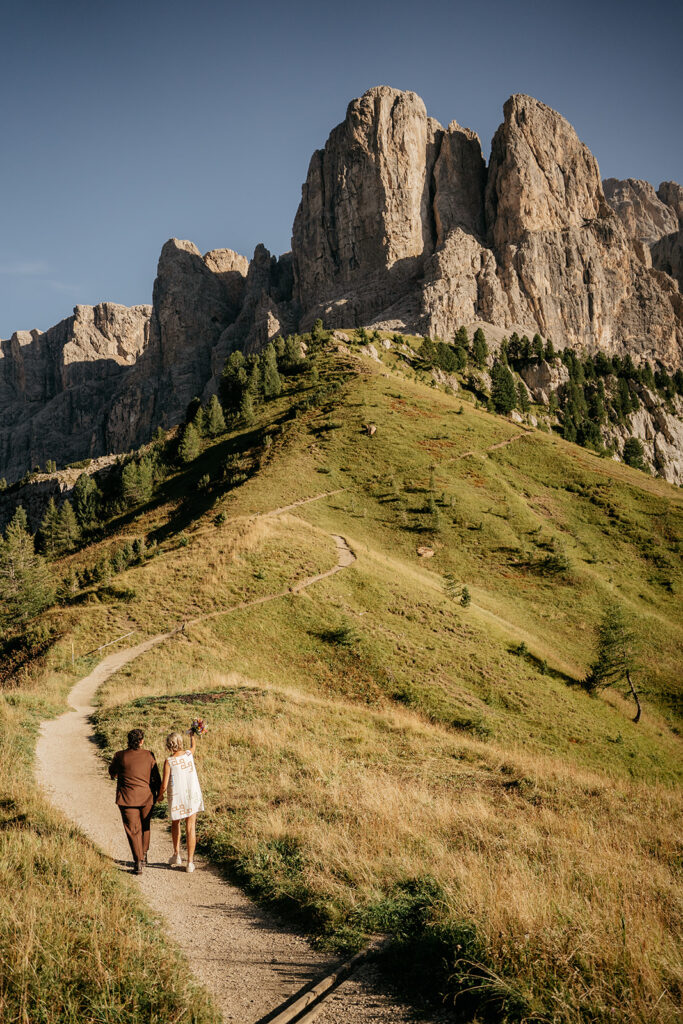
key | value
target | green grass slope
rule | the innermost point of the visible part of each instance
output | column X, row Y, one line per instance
column 381, row 758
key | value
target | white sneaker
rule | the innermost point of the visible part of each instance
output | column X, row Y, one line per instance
column 189, row 866
column 175, row 861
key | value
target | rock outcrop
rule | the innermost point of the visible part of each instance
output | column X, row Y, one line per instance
column 532, row 240
column 667, row 252
column 55, row 386
column 102, row 380
column 644, row 215
column 366, row 216
column 195, row 298
column 565, row 261
column 266, row 310
column 653, row 219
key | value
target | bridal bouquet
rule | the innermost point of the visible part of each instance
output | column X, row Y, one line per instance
column 198, row 727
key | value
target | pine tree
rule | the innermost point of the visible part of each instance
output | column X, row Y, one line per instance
column 446, row 358
column 427, row 352
column 522, row 397
column 137, row 481
column 25, row 583
column 130, row 483
column 67, row 587
column 68, row 530
column 465, row 597
column 318, row 334
column 480, row 349
column 49, row 530
column 451, row 585
column 254, row 377
column 215, row 420
column 616, row 656
column 292, row 357
column 503, row 392
column 461, row 339
column 633, row 453
column 233, row 382
column 549, row 352
column 199, row 421
column 272, row 385
column 193, row 405
column 279, row 345
column 603, row 365
column 247, row 409
column 188, row 449
column 146, row 478
column 86, row 497
column 460, row 355
column 537, row 347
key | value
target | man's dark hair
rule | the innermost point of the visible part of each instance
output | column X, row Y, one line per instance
column 135, row 738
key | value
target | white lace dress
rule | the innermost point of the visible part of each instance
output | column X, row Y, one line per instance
column 184, row 792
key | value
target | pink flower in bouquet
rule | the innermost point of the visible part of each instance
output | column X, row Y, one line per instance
column 198, row 727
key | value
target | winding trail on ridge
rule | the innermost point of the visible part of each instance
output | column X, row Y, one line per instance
column 250, row 962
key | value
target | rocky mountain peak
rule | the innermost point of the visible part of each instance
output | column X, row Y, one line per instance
column 653, row 220
column 367, row 201
column 643, row 213
column 671, row 193
column 541, row 177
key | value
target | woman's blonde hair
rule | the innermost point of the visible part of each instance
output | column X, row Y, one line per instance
column 175, row 742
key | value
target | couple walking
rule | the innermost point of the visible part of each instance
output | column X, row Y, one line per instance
column 139, row 786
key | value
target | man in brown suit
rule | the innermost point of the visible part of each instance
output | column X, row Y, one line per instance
column 137, row 786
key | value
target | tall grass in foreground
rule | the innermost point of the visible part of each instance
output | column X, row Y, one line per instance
column 527, row 889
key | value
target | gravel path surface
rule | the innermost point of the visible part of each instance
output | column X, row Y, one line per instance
column 248, row 960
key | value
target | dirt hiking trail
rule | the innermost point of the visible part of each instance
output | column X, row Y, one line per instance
column 250, row 962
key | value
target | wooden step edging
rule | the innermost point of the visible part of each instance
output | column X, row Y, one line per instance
column 307, row 1006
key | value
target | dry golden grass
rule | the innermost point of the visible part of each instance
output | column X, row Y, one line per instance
column 77, row 944
column 566, row 875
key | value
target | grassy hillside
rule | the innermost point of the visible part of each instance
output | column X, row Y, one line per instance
column 381, row 758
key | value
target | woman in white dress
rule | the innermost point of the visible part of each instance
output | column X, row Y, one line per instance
column 184, row 795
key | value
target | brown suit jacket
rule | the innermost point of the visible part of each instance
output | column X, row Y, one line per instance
column 137, row 777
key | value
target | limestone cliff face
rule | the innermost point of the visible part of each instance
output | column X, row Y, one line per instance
column 667, row 252
column 267, row 308
column 645, row 216
column 654, row 220
column 54, row 386
column 366, row 216
column 195, row 298
column 102, row 380
column 541, row 178
column 566, row 263
column 401, row 224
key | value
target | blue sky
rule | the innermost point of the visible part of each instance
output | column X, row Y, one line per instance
column 126, row 123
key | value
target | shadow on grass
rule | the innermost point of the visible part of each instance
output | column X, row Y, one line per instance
column 541, row 665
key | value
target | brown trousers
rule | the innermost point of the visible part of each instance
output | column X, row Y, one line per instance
column 136, row 822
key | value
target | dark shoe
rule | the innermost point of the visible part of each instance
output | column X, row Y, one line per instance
column 138, row 867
